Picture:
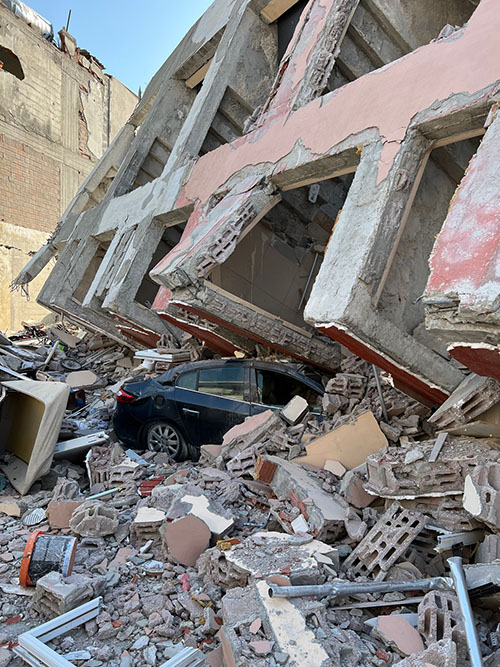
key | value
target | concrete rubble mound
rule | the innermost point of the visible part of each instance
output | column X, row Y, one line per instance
column 271, row 561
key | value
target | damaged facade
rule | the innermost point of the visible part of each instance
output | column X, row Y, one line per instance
column 271, row 125
column 58, row 114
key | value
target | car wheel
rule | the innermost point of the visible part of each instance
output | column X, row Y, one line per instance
column 163, row 437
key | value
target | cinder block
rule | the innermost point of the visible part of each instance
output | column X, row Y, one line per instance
column 390, row 477
column 489, row 549
column 482, row 493
column 385, row 543
column 55, row 594
column 471, row 398
column 439, row 617
column 146, row 526
column 446, row 512
column 350, row 385
column 94, row 519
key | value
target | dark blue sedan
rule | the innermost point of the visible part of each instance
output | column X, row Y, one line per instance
column 196, row 403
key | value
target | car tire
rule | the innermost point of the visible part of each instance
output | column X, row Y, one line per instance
column 162, row 437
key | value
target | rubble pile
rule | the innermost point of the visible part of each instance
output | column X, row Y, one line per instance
column 209, row 556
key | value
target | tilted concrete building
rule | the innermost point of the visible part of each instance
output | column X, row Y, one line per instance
column 284, row 180
column 59, row 111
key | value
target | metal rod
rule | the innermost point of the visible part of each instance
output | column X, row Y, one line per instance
column 460, row 585
column 348, row 588
column 380, row 395
column 304, row 293
column 67, row 22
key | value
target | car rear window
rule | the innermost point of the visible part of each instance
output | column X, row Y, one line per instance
column 227, row 381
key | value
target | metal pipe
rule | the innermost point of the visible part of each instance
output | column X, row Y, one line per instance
column 460, row 585
column 304, row 293
column 380, row 394
column 348, row 588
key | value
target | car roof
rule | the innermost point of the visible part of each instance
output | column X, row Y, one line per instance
column 279, row 367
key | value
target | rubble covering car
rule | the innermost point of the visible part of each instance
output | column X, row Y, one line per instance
column 196, row 403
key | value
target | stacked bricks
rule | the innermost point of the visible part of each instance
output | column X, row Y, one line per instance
column 389, row 538
column 389, row 476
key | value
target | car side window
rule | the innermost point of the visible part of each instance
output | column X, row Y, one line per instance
column 187, row 380
column 226, row 381
column 277, row 389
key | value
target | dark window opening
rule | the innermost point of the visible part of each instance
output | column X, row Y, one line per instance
column 148, row 288
column 9, row 62
column 276, row 389
column 275, row 265
column 406, row 277
column 287, row 23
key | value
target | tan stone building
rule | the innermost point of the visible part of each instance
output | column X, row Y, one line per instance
column 58, row 114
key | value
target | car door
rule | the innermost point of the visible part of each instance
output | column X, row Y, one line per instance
column 272, row 389
column 211, row 400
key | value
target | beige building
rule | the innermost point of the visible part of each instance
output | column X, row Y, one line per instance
column 58, row 114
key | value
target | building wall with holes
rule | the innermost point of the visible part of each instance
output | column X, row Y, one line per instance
column 58, row 114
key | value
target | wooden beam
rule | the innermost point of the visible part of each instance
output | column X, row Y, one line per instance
column 274, row 9
column 199, row 75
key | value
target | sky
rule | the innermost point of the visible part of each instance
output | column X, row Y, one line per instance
column 131, row 38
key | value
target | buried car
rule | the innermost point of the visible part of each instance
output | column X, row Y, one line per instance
column 196, row 403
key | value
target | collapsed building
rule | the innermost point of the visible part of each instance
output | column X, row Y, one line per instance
column 299, row 175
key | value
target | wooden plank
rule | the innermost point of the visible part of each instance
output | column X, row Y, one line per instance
column 198, row 76
column 274, row 9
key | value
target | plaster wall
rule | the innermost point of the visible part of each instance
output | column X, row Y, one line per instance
column 55, row 124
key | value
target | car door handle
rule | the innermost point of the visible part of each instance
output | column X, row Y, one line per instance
column 191, row 412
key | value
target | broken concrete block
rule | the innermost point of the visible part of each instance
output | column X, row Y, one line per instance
column 78, row 379
column 335, row 467
column 185, row 539
column 285, row 622
column 191, row 501
column 254, row 430
column 55, row 594
column 446, row 512
column 395, row 631
column 332, row 403
column 439, row 617
column 385, row 543
column 262, row 555
column 60, row 512
column 439, row 654
column 390, row 477
column 325, row 511
column 146, row 526
column 353, row 490
column 10, row 508
column 94, row 519
column 489, row 550
column 295, row 410
column 349, row 444
column 482, row 493
column 473, row 396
